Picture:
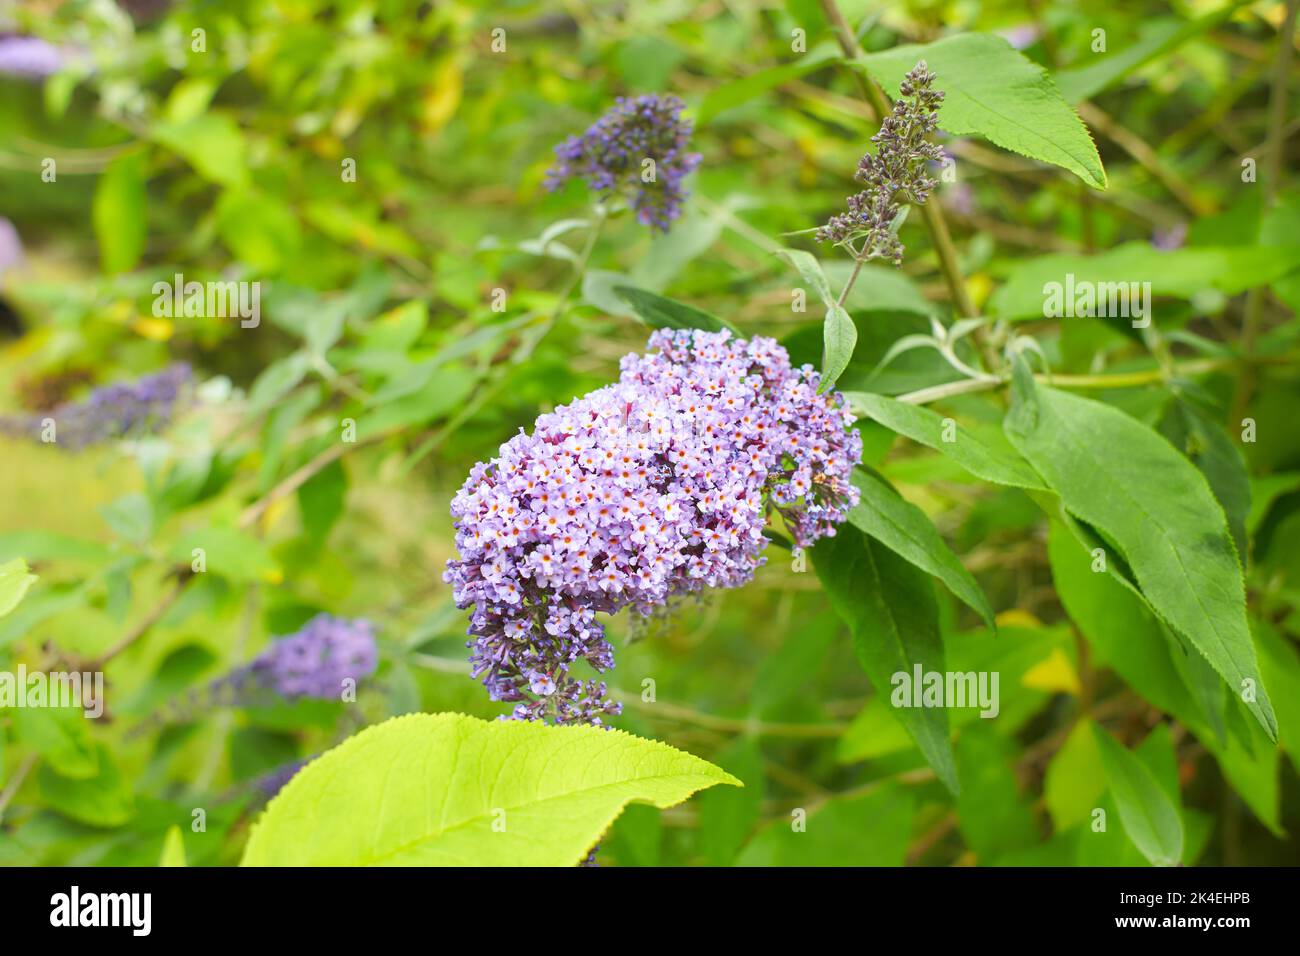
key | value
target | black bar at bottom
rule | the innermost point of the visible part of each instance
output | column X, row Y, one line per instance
column 333, row 906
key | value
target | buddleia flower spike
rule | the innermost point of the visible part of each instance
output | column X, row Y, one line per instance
column 646, row 490
column 638, row 152
column 894, row 177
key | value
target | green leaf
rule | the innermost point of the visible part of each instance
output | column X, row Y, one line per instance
column 1130, row 484
column 794, row 666
column 905, row 529
column 839, row 334
column 444, row 392
column 991, row 815
column 1180, row 273
column 397, row 329
column 212, row 143
column 189, row 98
column 446, row 789
column 259, row 228
column 173, row 850
column 1150, row 818
column 660, row 312
column 840, row 337
column 118, row 213
column 1126, row 636
column 874, row 732
column 691, row 237
column 991, row 90
column 1074, row 781
column 870, row 830
column 1281, row 665
column 103, row 800
column 733, row 94
column 729, row 814
column 322, row 500
column 14, row 582
column 53, row 546
column 61, row 736
column 892, row 614
column 1155, row 39
column 130, row 517
column 1209, row 448
column 1017, row 655
column 233, row 554
column 636, row 839
column 1279, row 226
column 811, row 272
column 985, row 455
column 43, row 605
column 277, row 380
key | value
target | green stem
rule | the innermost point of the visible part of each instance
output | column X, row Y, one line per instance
column 1119, row 380
column 936, row 225
column 580, row 267
column 940, row 238
column 16, row 782
column 853, row 277
column 1272, row 174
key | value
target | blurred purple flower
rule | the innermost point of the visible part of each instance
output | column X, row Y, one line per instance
column 29, row 57
column 109, row 412
column 634, row 495
column 313, row 662
column 611, row 157
column 1172, row 238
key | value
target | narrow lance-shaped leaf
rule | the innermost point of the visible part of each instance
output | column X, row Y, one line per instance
column 905, row 529
column 839, row 334
column 740, row 91
column 660, row 312
column 1130, row 484
column 839, row 339
column 451, row 790
column 1065, row 283
column 891, row 611
column 1209, row 448
column 1149, row 817
column 119, row 213
column 978, row 455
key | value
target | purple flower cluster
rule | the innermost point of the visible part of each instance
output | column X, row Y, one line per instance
column 611, row 157
column 896, row 174
column 637, row 493
column 112, row 411
column 28, row 57
column 313, row 662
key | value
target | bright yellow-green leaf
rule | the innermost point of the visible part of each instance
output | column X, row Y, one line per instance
column 14, row 582
column 451, row 790
column 173, row 851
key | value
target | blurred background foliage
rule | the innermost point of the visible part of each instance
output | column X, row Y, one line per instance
column 377, row 307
